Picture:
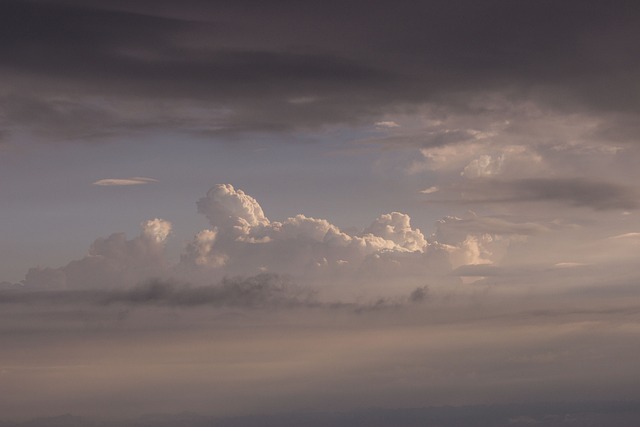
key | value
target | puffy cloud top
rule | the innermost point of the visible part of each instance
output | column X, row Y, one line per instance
column 396, row 227
column 224, row 206
column 156, row 229
column 244, row 240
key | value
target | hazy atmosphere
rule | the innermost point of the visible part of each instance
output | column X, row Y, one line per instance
column 235, row 210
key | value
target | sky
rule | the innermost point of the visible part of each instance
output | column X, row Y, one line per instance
column 243, row 207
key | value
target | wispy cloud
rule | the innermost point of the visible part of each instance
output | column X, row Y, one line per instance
column 136, row 180
column 429, row 190
column 387, row 124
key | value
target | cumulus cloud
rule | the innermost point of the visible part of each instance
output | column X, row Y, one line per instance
column 111, row 262
column 226, row 207
column 137, row 180
column 243, row 239
column 397, row 228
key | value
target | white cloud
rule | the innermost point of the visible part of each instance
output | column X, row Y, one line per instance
column 633, row 235
column 474, row 250
column 224, row 206
column 430, row 190
column 244, row 241
column 156, row 229
column 396, row 227
column 387, row 124
column 497, row 137
column 136, row 180
column 475, row 239
column 569, row 264
column 484, row 166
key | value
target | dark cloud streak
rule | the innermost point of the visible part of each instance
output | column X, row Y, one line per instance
column 265, row 290
column 577, row 192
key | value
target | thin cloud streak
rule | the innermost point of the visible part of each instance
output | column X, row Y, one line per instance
column 115, row 182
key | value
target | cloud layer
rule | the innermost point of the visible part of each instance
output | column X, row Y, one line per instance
column 486, row 309
column 248, row 68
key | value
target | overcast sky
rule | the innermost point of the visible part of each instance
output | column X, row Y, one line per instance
column 241, row 207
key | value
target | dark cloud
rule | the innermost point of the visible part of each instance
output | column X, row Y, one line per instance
column 578, row 192
column 268, row 291
column 347, row 61
column 264, row 290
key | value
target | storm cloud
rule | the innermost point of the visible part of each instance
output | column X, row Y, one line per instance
column 296, row 65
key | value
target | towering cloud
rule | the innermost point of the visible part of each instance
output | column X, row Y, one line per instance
column 226, row 207
column 243, row 240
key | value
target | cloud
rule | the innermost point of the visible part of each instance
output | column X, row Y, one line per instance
column 387, row 124
column 320, row 308
column 242, row 239
column 632, row 235
column 475, row 240
column 599, row 195
column 225, row 207
column 252, row 337
column 261, row 291
column 452, row 228
column 396, row 227
column 137, row 180
column 576, row 192
column 430, row 190
column 484, row 166
column 112, row 262
column 270, row 73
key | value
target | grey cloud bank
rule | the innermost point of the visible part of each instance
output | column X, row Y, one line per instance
column 350, row 61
